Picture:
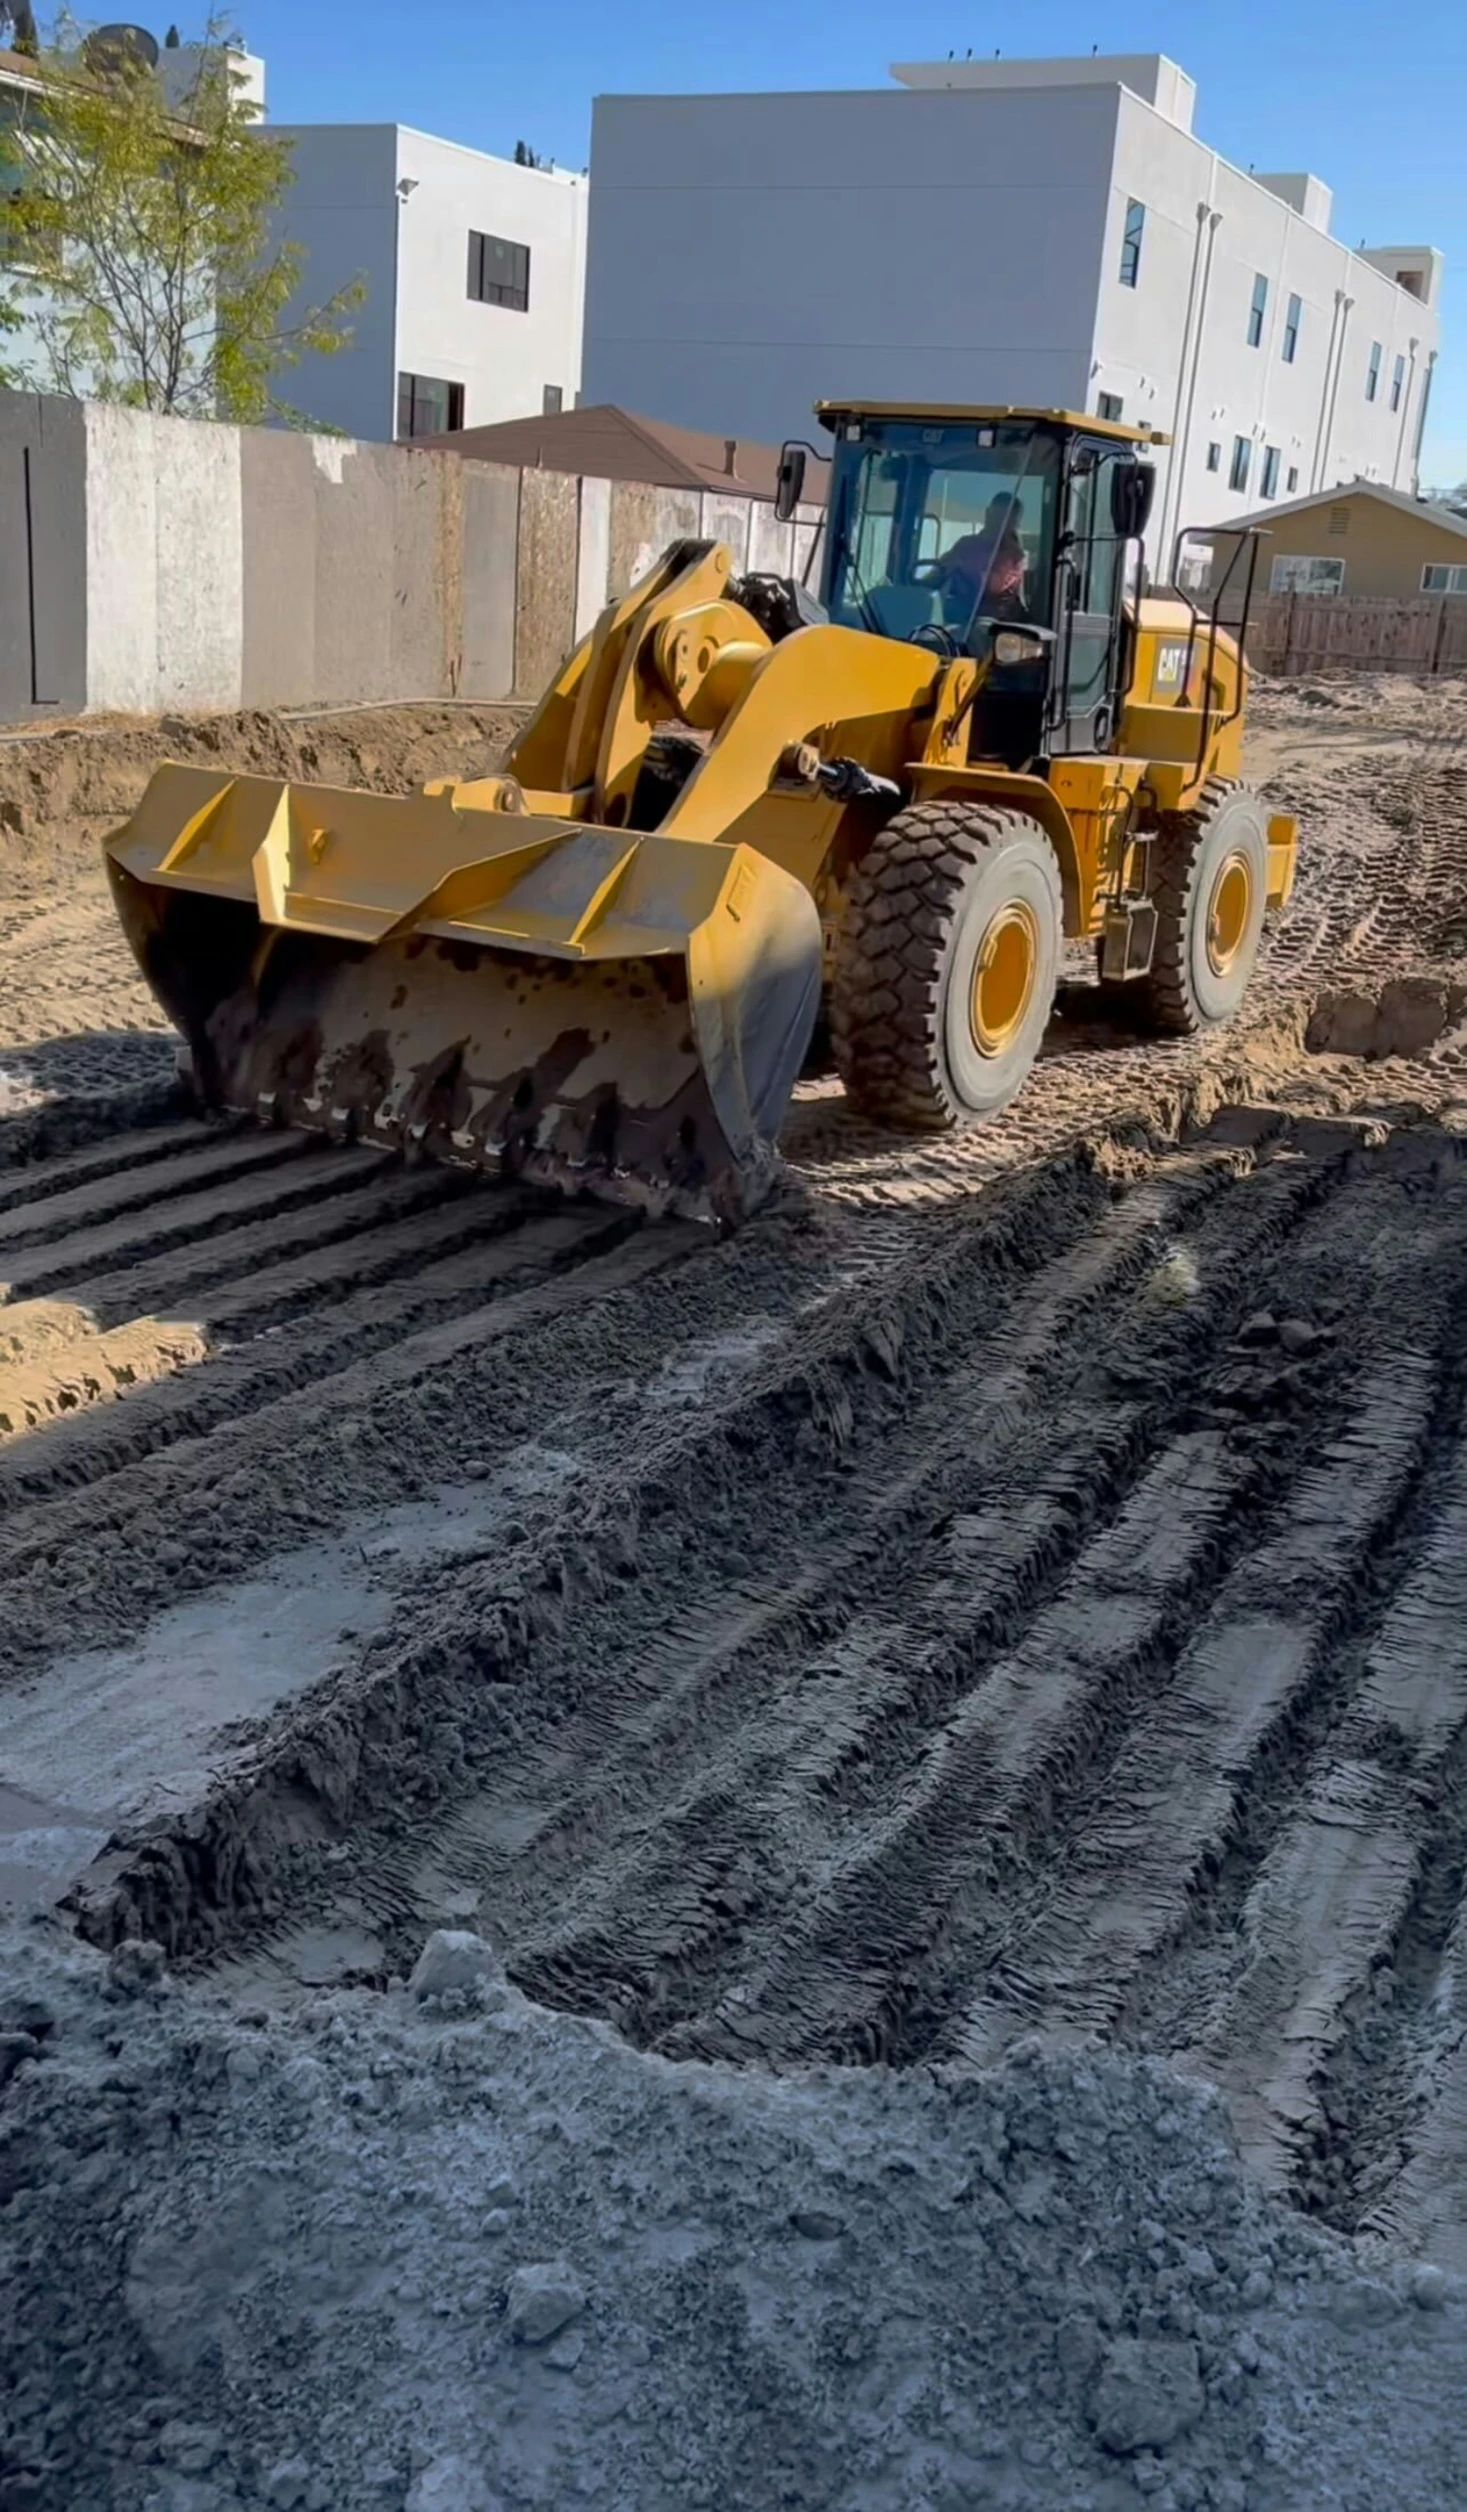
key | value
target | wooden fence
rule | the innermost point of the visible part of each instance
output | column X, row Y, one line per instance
column 1342, row 632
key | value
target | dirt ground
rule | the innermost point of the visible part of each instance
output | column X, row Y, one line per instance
column 993, row 1634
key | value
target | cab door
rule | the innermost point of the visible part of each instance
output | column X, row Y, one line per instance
column 1089, row 582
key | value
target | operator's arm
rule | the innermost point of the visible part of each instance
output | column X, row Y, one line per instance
column 965, row 559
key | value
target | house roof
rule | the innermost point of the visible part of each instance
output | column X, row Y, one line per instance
column 1421, row 510
column 603, row 442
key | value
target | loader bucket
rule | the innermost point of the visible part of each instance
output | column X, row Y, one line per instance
column 579, row 1005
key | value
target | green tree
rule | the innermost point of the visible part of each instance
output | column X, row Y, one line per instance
column 145, row 256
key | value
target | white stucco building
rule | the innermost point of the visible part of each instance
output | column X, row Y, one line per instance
column 1044, row 232
column 474, row 269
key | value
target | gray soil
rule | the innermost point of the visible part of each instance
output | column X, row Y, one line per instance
column 992, row 1634
column 404, row 2249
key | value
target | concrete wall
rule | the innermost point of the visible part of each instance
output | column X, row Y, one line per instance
column 43, row 557
column 149, row 565
column 165, row 561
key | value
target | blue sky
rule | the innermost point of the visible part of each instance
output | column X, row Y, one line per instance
column 1371, row 100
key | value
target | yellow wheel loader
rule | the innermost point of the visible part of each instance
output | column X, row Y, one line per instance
column 739, row 803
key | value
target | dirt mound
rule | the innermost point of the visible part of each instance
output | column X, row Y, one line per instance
column 76, row 1019
column 60, row 785
column 453, row 2254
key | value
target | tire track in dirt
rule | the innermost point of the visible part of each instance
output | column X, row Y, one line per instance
column 354, row 1331
column 1383, row 2083
column 980, row 1572
column 182, row 1304
column 1032, row 1644
column 1159, row 1814
column 691, row 1706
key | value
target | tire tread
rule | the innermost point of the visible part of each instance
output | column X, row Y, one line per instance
column 904, row 900
column 1168, row 994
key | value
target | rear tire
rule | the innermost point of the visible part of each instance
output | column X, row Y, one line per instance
column 1211, row 886
column 946, row 965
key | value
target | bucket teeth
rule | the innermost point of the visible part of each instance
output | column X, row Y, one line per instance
column 606, row 1010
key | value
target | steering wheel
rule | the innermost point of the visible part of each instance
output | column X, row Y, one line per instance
column 943, row 641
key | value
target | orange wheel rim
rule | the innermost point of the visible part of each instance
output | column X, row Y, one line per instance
column 1003, row 977
column 1229, row 912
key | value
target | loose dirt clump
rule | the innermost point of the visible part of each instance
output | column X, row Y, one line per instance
column 1408, row 1017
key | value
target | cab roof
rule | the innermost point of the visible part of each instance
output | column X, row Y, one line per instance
column 830, row 414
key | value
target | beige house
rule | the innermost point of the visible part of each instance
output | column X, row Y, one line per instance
column 1361, row 539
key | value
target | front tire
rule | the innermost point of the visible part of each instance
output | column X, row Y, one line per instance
column 946, row 965
column 1211, row 887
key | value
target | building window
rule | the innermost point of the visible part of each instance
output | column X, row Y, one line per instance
column 1398, row 378
column 1110, row 406
column 1291, row 330
column 1257, row 310
column 1307, row 575
column 1444, row 579
column 1372, row 372
column 499, row 273
column 1268, row 486
column 1293, row 479
column 1131, row 243
column 1214, row 457
column 552, row 401
column 1242, row 458
column 426, row 406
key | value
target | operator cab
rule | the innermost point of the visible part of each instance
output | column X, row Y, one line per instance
column 1005, row 534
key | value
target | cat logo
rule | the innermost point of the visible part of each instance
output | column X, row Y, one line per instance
column 1171, row 665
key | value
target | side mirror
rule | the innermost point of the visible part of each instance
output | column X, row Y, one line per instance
column 1132, row 488
column 1012, row 646
column 789, row 482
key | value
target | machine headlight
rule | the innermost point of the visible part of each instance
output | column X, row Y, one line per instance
column 1016, row 645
